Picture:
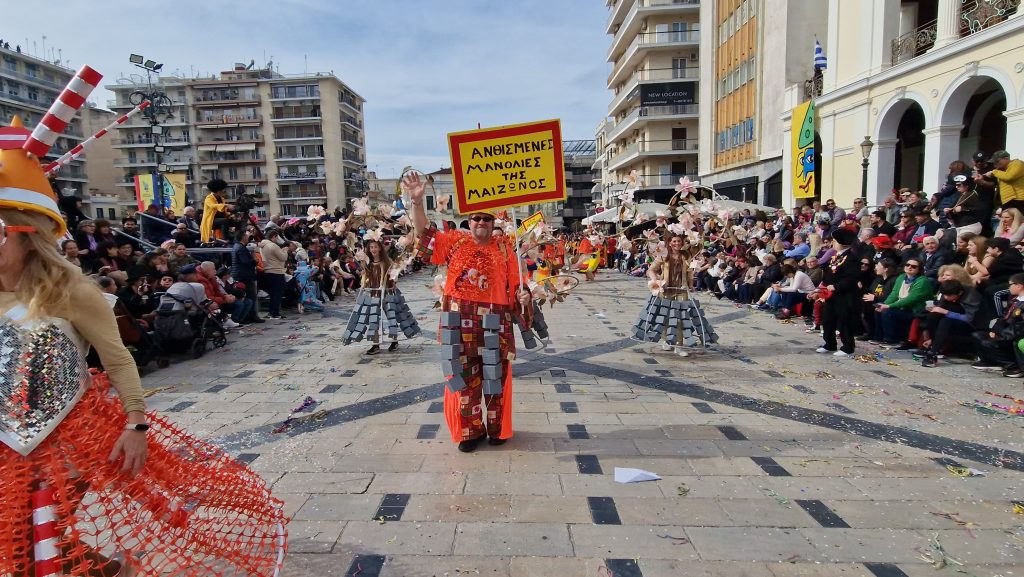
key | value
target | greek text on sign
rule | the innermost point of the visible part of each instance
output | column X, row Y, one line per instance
column 528, row 224
column 510, row 166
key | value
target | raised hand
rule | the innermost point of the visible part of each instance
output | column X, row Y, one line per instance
column 413, row 186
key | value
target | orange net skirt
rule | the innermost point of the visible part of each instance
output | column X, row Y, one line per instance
column 193, row 511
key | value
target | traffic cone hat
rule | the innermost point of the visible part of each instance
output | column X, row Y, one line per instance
column 23, row 184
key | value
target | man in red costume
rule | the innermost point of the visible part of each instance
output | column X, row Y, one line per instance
column 481, row 293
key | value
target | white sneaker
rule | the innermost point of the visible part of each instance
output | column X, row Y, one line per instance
column 840, row 354
column 262, row 294
column 682, row 353
column 822, row 350
column 230, row 324
column 666, row 347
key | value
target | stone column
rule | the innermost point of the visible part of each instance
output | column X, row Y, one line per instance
column 941, row 146
column 881, row 170
column 1014, row 130
column 948, row 27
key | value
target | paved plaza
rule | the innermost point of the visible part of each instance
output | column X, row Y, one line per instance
column 775, row 461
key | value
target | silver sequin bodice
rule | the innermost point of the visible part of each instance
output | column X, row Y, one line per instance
column 43, row 374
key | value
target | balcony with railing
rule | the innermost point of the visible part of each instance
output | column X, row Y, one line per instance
column 974, row 16
column 213, row 120
column 351, row 156
column 642, row 148
column 652, row 40
column 301, row 175
column 351, row 120
column 645, row 113
column 309, row 114
column 639, row 14
column 350, row 102
column 33, row 78
column 285, row 134
column 231, row 159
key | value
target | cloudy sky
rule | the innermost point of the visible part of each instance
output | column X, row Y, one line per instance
column 425, row 67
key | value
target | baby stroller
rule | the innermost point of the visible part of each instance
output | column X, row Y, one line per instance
column 182, row 325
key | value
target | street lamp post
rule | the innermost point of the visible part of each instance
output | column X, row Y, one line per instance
column 159, row 107
column 865, row 152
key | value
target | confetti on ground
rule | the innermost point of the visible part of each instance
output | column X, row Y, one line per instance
column 824, row 375
column 150, row 392
column 1018, row 507
column 779, row 498
column 683, row 490
column 965, row 471
column 937, row 556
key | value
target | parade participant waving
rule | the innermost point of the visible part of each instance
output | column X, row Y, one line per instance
column 481, row 291
column 84, row 473
column 671, row 313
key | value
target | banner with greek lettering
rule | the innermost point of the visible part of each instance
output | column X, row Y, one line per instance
column 496, row 168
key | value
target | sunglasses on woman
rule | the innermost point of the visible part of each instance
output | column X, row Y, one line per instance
column 6, row 229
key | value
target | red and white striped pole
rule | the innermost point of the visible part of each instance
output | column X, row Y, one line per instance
column 44, row 532
column 62, row 111
column 75, row 152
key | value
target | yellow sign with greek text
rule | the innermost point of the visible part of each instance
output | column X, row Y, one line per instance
column 496, row 168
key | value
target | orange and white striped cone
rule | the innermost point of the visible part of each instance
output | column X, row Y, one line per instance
column 44, row 532
column 62, row 111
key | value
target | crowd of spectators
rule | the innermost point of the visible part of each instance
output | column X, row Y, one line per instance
column 266, row 270
column 939, row 274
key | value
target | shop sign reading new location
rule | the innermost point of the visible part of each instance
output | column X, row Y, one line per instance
column 497, row 168
column 668, row 93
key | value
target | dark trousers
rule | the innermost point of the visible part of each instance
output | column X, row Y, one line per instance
column 896, row 324
column 790, row 300
column 251, row 293
column 946, row 333
column 995, row 351
column 273, row 283
column 838, row 314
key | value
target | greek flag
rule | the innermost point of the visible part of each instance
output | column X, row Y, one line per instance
column 820, row 62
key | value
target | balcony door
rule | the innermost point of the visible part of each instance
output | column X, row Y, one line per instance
column 678, row 139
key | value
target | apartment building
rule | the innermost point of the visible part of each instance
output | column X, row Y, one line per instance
column 914, row 84
column 28, row 86
column 652, row 121
column 102, row 197
column 579, row 157
column 292, row 141
column 135, row 147
column 755, row 50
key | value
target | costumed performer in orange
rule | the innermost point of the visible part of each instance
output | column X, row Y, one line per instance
column 90, row 484
column 481, row 293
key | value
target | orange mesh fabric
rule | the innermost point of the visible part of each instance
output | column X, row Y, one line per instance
column 193, row 511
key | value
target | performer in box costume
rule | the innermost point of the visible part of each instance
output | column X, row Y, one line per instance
column 671, row 313
column 482, row 293
column 91, row 485
column 380, row 306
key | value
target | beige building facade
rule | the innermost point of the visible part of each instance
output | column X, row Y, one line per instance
column 291, row 141
column 927, row 82
column 652, row 121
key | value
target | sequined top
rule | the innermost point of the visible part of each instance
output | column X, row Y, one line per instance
column 480, row 273
column 90, row 321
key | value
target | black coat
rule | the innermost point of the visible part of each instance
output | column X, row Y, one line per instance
column 843, row 272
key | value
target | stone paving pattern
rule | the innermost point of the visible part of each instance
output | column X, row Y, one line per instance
column 809, row 465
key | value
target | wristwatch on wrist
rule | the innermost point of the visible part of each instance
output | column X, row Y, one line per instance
column 140, row 427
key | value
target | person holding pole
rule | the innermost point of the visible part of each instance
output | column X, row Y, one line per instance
column 482, row 291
